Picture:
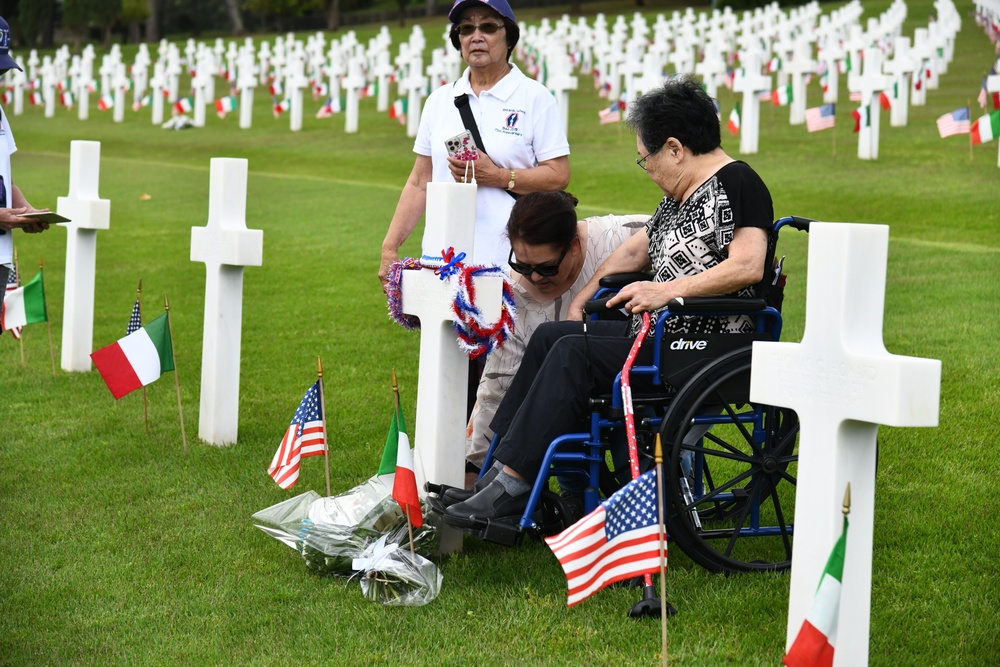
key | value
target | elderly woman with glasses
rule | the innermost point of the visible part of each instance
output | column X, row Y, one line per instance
column 708, row 237
column 524, row 142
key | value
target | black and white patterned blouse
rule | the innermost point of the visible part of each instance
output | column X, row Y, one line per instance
column 686, row 239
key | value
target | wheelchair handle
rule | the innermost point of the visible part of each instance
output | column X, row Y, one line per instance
column 794, row 221
column 597, row 305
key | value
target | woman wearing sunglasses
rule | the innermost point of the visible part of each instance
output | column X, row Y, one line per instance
column 552, row 257
column 708, row 237
column 523, row 137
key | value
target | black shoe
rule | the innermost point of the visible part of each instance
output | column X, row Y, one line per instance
column 452, row 494
column 492, row 503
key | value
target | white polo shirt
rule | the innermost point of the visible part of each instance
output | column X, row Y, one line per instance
column 520, row 125
column 7, row 147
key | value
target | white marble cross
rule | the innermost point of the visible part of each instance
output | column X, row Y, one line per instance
column 439, row 438
column 750, row 82
column 88, row 213
column 870, row 84
column 797, row 68
column 842, row 383
column 295, row 82
column 246, row 81
column 899, row 70
column 157, row 85
column 225, row 245
column 415, row 85
column 119, row 82
column 353, row 84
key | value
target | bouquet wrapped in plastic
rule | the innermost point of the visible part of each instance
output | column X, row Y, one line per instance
column 331, row 532
column 391, row 575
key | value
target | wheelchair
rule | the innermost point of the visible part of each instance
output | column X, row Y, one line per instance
column 729, row 463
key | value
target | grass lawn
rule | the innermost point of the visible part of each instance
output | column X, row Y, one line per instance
column 119, row 550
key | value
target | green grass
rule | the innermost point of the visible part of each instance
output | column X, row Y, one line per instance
column 118, row 550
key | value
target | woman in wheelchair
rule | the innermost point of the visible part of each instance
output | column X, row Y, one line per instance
column 707, row 237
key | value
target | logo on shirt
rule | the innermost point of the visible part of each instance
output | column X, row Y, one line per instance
column 511, row 123
column 512, row 120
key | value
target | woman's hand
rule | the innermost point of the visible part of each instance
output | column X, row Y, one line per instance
column 10, row 218
column 487, row 173
column 642, row 296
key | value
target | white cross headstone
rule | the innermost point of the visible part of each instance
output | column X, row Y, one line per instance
column 439, row 440
column 225, row 245
column 899, row 70
column 295, row 81
column 993, row 86
column 870, row 84
column 157, row 87
column 85, row 80
column 750, row 82
column 842, row 383
column 353, row 83
column 415, row 86
column 88, row 213
column 798, row 68
column 246, row 81
column 119, row 82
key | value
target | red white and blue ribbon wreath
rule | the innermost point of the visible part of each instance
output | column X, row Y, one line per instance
column 477, row 337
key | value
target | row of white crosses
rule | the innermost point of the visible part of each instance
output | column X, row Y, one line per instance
column 225, row 245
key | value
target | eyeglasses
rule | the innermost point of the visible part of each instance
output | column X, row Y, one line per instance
column 466, row 29
column 544, row 270
column 642, row 160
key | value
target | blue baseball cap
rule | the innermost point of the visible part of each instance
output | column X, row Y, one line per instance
column 499, row 6
column 6, row 62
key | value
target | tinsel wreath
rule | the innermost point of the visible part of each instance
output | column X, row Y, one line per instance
column 476, row 336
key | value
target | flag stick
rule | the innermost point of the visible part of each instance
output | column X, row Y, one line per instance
column 658, row 455
column 20, row 339
column 847, row 500
column 177, row 380
column 399, row 420
column 322, row 408
column 48, row 323
column 145, row 402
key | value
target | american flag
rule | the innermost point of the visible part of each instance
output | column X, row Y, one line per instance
column 618, row 540
column 305, row 437
column 820, row 118
column 12, row 284
column 956, row 122
column 613, row 113
column 135, row 320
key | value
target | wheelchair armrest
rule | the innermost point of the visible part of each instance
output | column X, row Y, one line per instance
column 711, row 304
column 620, row 280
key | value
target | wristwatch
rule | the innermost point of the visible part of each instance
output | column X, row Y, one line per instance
column 511, row 183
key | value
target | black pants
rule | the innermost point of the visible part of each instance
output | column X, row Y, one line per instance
column 4, row 274
column 548, row 396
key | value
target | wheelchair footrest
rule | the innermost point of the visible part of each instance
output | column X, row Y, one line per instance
column 501, row 531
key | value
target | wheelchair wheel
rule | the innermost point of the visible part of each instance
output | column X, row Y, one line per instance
column 725, row 461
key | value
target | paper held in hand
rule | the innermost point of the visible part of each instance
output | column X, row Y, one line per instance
column 50, row 217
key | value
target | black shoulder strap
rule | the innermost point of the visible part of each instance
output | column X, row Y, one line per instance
column 462, row 104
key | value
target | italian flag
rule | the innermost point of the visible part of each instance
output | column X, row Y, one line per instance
column 137, row 359
column 885, row 101
column 396, row 470
column 734, row 120
column 224, row 105
column 860, row 119
column 986, row 128
column 35, row 98
column 184, row 105
column 106, row 102
column 24, row 305
column 66, row 98
column 398, row 110
column 781, row 97
column 814, row 645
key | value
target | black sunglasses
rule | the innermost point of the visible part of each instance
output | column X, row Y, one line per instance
column 486, row 28
column 544, row 270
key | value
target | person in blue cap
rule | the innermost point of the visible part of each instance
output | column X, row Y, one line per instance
column 524, row 147
column 12, row 201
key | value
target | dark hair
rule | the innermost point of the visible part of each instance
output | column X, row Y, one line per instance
column 511, row 33
column 681, row 109
column 543, row 218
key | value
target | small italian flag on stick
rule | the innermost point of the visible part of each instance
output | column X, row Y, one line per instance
column 24, row 305
column 734, row 120
column 183, row 105
column 814, row 645
column 106, row 102
column 137, row 359
column 224, row 105
column 986, row 128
